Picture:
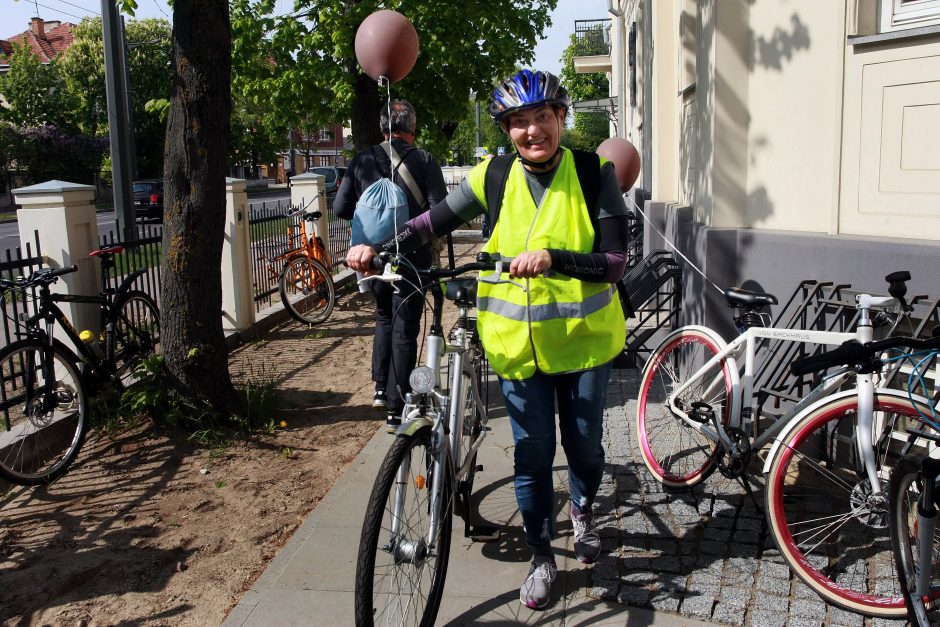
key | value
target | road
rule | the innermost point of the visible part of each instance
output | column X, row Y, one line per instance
column 10, row 236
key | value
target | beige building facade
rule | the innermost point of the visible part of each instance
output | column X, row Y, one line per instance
column 783, row 140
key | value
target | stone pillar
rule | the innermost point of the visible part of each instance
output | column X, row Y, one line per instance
column 64, row 216
column 238, row 306
column 309, row 190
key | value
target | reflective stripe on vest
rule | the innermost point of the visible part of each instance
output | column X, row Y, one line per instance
column 560, row 324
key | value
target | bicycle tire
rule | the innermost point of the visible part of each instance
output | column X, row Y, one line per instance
column 676, row 454
column 38, row 445
column 904, row 491
column 830, row 533
column 406, row 585
column 136, row 333
column 307, row 289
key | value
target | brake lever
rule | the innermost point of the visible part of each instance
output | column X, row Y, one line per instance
column 495, row 279
column 388, row 276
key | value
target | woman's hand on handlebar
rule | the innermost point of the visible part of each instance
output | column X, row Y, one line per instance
column 530, row 264
column 359, row 258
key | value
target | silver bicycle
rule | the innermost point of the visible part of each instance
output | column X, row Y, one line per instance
column 427, row 475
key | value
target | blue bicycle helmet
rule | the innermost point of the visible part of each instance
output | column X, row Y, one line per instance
column 527, row 89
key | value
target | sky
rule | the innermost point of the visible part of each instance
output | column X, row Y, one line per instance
column 15, row 16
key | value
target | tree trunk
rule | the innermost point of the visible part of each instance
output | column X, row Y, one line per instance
column 194, row 171
column 364, row 120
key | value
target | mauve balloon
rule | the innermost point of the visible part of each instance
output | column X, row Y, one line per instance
column 386, row 45
column 625, row 158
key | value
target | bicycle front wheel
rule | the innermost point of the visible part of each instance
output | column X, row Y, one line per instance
column 136, row 330
column 307, row 290
column 904, row 490
column 42, row 411
column 675, row 452
column 829, row 526
column 405, row 542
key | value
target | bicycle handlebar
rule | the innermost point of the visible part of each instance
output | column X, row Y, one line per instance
column 42, row 276
column 862, row 356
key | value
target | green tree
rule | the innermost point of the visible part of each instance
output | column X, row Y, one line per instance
column 590, row 129
column 34, row 91
column 464, row 47
column 150, row 72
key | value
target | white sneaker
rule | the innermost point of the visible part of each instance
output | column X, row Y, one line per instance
column 587, row 544
column 535, row 592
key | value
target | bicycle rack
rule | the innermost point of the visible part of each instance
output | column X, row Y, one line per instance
column 651, row 291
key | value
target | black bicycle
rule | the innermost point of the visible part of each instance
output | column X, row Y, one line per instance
column 44, row 385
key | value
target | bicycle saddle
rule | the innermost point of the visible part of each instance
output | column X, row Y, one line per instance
column 738, row 297
column 462, row 291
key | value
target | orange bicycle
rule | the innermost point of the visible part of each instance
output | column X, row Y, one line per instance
column 304, row 279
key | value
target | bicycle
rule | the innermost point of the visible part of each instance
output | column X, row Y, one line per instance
column 304, row 281
column 44, row 385
column 826, row 468
column 913, row 492
column 428, row 472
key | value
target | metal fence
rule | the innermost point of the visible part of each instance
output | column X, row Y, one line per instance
column 19, row 261
column 142, row 253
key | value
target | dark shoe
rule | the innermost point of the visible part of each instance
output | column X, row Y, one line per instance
column 587, row 543
column 535, row 592
column 379, row 401
column 392, row 422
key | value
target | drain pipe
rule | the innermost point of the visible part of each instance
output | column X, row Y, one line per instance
column 618, row 80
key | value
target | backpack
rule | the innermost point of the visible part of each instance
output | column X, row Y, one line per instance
column 383, row 208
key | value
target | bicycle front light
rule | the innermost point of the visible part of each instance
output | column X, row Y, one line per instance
column 422, row 380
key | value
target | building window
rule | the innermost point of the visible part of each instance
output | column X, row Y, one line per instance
column 901, row 14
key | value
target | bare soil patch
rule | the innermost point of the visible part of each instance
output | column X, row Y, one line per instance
column 148, row 527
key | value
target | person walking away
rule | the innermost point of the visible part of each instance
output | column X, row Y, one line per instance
column 398, row 308
column 561, row 218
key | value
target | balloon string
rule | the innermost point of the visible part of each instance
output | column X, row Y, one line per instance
column 388, row 104
column 671, row 245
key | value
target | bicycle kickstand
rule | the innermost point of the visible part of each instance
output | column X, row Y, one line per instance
column 476, row 532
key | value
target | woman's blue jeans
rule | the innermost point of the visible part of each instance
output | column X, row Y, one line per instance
column 531, row 406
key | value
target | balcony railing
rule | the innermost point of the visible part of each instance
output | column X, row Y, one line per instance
column 592, row 37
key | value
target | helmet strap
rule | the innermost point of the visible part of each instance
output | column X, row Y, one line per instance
column 542, row 166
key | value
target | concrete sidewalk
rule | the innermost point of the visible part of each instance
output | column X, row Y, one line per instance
column 311, row 580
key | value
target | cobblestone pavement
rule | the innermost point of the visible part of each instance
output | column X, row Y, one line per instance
column 704, row 553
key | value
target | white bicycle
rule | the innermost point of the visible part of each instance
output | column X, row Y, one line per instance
column 827, row 467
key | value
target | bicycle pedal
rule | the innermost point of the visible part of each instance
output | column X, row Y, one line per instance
column 479, row 468
column 483, row 533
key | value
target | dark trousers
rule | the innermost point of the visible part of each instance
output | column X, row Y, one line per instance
column 395, row 348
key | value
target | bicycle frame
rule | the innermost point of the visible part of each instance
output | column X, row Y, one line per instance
column 742, row 387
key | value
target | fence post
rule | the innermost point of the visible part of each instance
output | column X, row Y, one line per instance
column 238, row 311
column 306, row 187
column 64, row 216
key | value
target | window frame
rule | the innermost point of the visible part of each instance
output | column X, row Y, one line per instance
column 898, row 15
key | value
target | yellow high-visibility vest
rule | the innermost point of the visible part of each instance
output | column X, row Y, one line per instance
column 560, row 324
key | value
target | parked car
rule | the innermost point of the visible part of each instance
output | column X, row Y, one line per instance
column 333, row 175
column 148, row 199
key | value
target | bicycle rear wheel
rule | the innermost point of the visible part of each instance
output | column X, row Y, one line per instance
column 474, row 419
column 826, row 522
column 42, row 412
column 136, row 330
column 904, row 491
column 402, row 564
column 676, row 453
column 307, row 290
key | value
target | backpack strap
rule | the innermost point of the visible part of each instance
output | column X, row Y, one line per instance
column 405, row 174
column 587, row 165
column 494, row 185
